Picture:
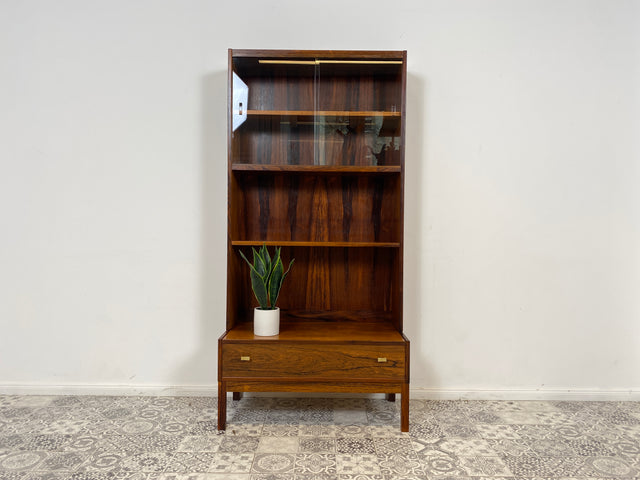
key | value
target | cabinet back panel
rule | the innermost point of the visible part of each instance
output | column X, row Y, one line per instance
column 361, row 91
column 275, row 141
column 318, row 208
column 341, row 140
column 279, row 92
column 329, row 283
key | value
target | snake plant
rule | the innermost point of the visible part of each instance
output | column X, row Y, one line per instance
column 267, row 275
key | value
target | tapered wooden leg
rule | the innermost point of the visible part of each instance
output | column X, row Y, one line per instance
column 237, row 396
column 404, row 408
column 391, row 397
column 222, row 406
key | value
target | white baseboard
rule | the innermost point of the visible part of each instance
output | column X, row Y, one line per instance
column 415, row 392
column 576, row 394
column 111, row 390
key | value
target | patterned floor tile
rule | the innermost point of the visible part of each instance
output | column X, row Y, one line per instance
column 607, row 467
column 352, row 431
column 385, row 431
column 315, row 464
column 273, row 463
column 189, row 462
column 273, row 476
column 247, row 429
column 440, row 464
column 425, row 446
column 317, row 445
column 512, row 448
column 103, row 462
column 554, row 447
column 248, row 416
column 22, row 461
column 231, row 462
column 496, row 432
column 534, row 418
column 278, row 444
column 355, row 464
column 394, row 446
column 147, row 462
column 176, row 438
column 533, row 466
column 239, row 444
column 316, row 417
column 317, row 430
column 64, row 461
column 400, row 465
column 460, row 430
column 467, row 447
column 484, row 416
column 426, row 430
column 199, row 443
column 355, row 445
column 281, row 430
column 485, row 466
column 349, row 417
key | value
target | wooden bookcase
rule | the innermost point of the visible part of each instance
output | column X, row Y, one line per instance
column 317, row 167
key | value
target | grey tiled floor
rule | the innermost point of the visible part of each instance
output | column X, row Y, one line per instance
column 304, row 439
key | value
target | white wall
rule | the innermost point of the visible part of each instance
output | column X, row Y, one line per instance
column 522, row 272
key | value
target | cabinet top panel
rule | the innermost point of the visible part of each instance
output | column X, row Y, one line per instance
column 328, row 54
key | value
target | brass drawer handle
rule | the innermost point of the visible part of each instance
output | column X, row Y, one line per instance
column 382, row 359
column 245, row 359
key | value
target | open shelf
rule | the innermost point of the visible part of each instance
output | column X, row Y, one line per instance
column 323, row 113
column 286, row 243
column 253, row 167
column 314, row 331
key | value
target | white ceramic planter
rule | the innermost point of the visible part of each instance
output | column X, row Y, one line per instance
column 266, row 323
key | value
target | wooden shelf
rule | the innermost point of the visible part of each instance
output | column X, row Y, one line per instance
column 252, row 167
column 288, row 243
column 320, row 331
column 322, row 113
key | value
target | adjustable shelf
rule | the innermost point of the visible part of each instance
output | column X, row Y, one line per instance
column 316, row 169
column 322, row 113
column 288, row 243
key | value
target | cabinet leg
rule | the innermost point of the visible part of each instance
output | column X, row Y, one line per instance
column 222, row 406
column 237, row 396
column 404, row 408
column 391, row 397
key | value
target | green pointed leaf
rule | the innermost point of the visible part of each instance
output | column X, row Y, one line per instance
column 259, row 289
column 248, row 263
column 259, row 263
column 274, row 261
column 245, row 258
column 264, row 253
column 287, row 272
column 275, row 282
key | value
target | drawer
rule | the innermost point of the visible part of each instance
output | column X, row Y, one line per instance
column 314, row 361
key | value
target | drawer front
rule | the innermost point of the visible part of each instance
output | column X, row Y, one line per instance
column 316, row 361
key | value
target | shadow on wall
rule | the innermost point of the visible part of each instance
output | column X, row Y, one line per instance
column 200, row 370
column 416, row 278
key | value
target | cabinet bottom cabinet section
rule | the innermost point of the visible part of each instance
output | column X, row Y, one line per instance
column 315, row 357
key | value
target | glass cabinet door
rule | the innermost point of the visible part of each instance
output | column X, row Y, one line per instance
column 316, row 112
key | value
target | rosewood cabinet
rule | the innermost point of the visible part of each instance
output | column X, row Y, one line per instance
column 316, row 166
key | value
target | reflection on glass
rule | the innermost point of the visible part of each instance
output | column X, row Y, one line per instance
column 240, row 100
column 357, row 140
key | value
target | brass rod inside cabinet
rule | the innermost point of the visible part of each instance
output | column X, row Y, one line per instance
column 364, row 62
column 288, row 62
column 317, row 62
